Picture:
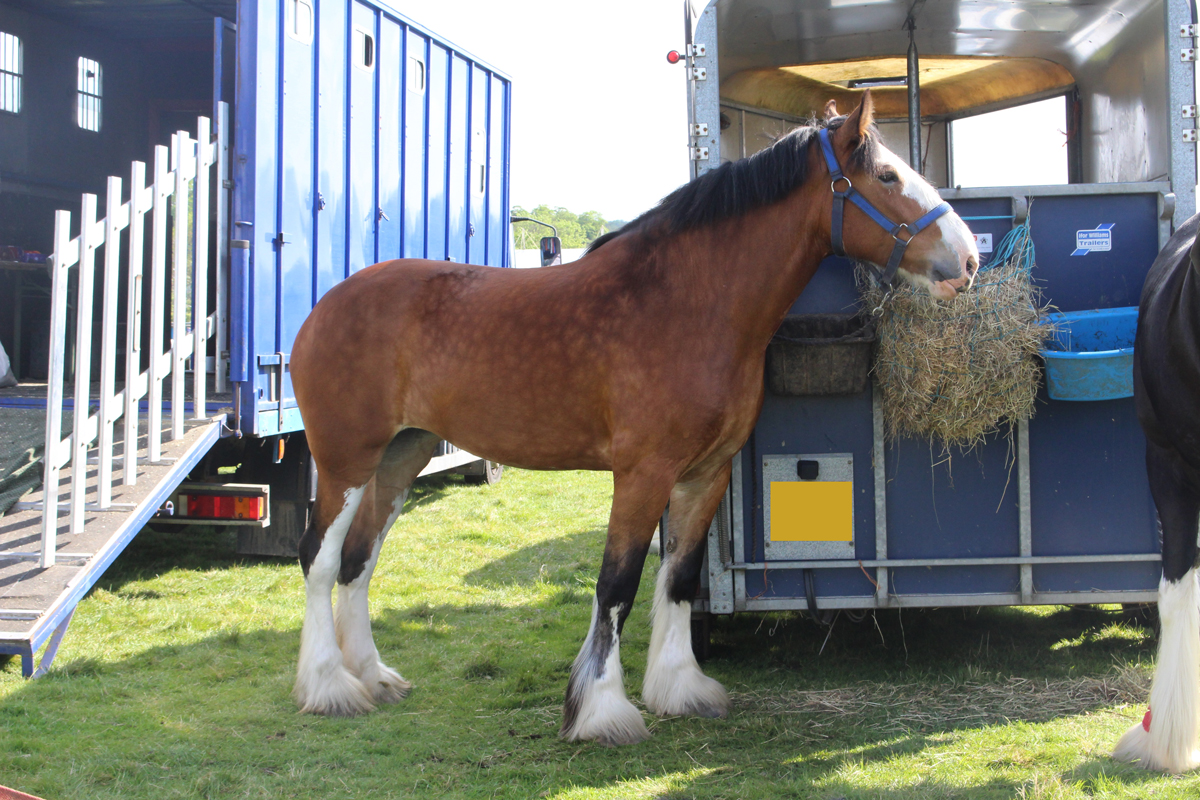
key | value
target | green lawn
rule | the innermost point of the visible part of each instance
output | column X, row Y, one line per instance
column 174, row 681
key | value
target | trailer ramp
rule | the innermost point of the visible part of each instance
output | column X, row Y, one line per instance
column 36, row 604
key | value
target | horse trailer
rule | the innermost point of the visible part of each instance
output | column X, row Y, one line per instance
column 1060, row 512
column 267, row 149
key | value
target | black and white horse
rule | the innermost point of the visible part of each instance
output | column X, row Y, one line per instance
column 1166, row 381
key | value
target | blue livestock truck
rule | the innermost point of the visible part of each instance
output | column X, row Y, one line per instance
column 1060, row 513
column 180, row 183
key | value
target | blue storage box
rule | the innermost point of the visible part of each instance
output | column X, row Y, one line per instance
column 1090, row 356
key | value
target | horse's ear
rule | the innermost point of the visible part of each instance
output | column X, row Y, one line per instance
column 866, row 113
column 831, row 109
column 860, row 119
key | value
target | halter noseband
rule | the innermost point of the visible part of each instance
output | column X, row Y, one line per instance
column 887, row 275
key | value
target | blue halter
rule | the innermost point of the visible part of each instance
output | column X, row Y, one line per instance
column 887, row 275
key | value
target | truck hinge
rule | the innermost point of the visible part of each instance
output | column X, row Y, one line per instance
column 1188, row 111
column 698, row 129
column 1187, row 54
column 699, row 153
column 1189, row 135
column 699, row 74
column 1188, row 31
column 699, row 50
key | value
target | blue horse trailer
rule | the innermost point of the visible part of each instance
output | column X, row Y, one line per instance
column 1061, row 512
column 359, row 137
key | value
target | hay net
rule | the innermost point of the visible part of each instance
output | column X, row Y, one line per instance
column 957, row 371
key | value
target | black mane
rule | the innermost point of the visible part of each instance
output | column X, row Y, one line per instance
column 739, row 187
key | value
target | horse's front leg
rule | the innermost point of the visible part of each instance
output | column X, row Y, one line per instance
column 596, row 706
column 323, row 684
column 403, row 460
column 674, row 684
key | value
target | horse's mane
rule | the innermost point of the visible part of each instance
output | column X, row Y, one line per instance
column 738, row 187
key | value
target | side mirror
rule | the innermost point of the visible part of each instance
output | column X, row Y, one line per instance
column 551, row 251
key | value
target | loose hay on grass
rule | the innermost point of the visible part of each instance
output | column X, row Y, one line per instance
column 914, row 707
column 959, row 370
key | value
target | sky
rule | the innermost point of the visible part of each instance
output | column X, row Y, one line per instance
column 599, row 120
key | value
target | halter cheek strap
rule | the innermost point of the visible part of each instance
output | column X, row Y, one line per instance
column 887, row 275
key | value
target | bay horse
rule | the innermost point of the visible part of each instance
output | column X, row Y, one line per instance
column 1166, row 390
column 645, row 358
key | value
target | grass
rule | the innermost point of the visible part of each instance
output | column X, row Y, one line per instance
column 174, row 679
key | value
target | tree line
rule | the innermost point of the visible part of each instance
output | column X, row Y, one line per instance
column 575, row 230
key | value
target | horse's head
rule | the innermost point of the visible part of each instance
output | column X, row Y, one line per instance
column 894, row 216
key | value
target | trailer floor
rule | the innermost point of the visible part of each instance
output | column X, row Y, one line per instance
column 36, row 604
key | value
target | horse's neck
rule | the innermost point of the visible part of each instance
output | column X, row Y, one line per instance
column 751, row 269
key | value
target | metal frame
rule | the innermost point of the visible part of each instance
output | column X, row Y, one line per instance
column 189, row 161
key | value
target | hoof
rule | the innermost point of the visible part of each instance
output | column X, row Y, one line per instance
column 385, row 684
column 336, row 694
column 692, row 694
column 608, row 720
column 1139, row 747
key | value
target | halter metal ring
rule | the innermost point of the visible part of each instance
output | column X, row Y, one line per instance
column 907, row 232
column 834, row 182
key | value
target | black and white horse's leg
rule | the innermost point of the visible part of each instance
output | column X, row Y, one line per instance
column 1167, row 738
column 403, row 460
column 674, row 684
column 596, row 706
column 323, row 684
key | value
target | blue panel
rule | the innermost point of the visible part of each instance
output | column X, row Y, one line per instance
column 296, row 194
column 456, row 174
column 1089, row 491
column 813, row 425
column 962, row 507
column 332, row 63
column 415, row 91
column 477, row 173
column 497, row 169
column 438, row 151
column 830, row 290
column 363, row 208
column 1098, row 279
column 263, row 252
column 391, row 53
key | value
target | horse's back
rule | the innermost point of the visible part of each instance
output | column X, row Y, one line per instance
column 481, row 356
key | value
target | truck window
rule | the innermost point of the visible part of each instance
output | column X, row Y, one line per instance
column 1020, row 146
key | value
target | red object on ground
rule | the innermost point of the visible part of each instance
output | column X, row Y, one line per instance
column 12, row 794
column 1146, row 720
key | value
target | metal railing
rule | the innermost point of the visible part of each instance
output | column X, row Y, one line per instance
column 177, row 201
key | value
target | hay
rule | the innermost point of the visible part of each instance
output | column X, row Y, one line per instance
column 924, row 707
column 960, row 370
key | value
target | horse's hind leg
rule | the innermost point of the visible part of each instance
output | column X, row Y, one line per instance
column 1167, row 737
column 674, row 683
column 596, row 706
column 403, row 460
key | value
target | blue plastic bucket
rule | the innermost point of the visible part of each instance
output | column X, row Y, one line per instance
column 1090, row 356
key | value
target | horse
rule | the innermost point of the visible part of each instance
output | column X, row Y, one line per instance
column 1166, row 391
column 643, row 358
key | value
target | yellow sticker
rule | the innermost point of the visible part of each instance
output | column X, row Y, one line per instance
column 812, row 511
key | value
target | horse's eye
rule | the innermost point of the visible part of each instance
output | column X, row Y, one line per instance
column 889, row 177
